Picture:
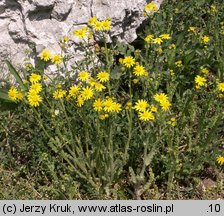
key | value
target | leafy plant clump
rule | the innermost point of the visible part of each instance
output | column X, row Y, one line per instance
column 129, row 121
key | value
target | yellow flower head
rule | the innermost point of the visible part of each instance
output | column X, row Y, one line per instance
column 200, row 81
column 13, row 93
column 45, row 55
column 59, row 93
column 141, row 105
column 165, row 36
column 34, row 99
column 204, row 70
column 103, row 117
column 149, row 38
column 153, row 109
column 80, row 101
column 106, row 25
column 221, row 86
column 163, row 101
column 165, row 105
column 128, row 105
column 83, row 76
column 34, row 78
column 128, row 61
column 146, row 116
column 66, row 39
column 172, row 46
column 99, row 87
column 205, row 39
column 108, row 105
column 98, row 105
column 103, row 76
column 80, row 33
column 56, row 59
column 172, row 122
column 157, row 41
column 192, row 29
column 220, row 160
column 151, row 7
column 74, row 90
column 213, row 8
column 117, row 107
column 178, row 63
column 139, row 70
column 98, row 26
column 87, row 93
column 160, row 97
column 36, row 87
column 92, row 21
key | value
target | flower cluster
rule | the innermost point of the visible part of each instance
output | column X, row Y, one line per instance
column 163, row 101
column 46, row 56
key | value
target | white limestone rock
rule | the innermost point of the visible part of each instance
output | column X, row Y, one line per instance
column 41, row 22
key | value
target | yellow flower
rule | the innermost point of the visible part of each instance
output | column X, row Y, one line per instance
column 141, row 105
column 200, row 81
column 151, row 7
column 221, row 87
column 83, row 76
column 36, row 87
column 192, row 29
column 99, row 87
column 139, row 70
column 103, row 76
column 178, row 63
column 108, row 105
column 157, row 41
column 159, row 50
column 205, row 39
column 135, row 81
column 98, row 26
column 106, row 25
column 34, row 78
column 146, row 116
column 117, row 107
column 19, row 96
column 59, row 93
column 121, row 60
column 45, row 55
column 56, row 59
column 66, row 39
column 73, row 91
column 163, row 101
column 80, row 101
column 160, row 97
column 213, row 8
column 149, row 38
column 165, row 105
column 128, row 61
column 87, row 93
column 220, row 160
column 172, row 122
column 103, row 117
column 98, row 105
column 128, row 105
column 80, row 33
column 204, row 70
column 165, row 36
column 34, row 98
column 153, row 109
column 92, row 21
column 12, row 93
column 172, row 46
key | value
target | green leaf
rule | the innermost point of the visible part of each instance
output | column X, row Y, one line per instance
column 4, row 94
column 15, row 74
